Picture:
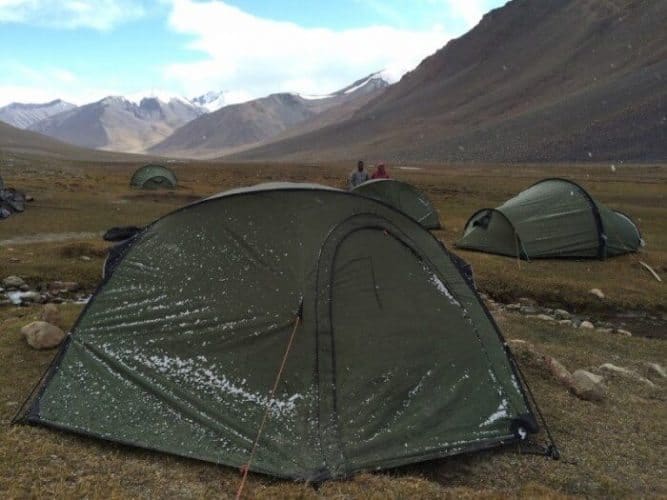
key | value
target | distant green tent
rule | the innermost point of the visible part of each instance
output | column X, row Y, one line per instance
column 153, row 177
column 394, row 357
column 404, row 197
column 552, row 218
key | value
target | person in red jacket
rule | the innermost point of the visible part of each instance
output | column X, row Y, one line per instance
column 380, row 172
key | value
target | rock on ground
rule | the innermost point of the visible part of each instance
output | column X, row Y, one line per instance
column 597, row 292
column 656, row 369
column 588, row 386
column 586, row 324
column 12, row 282
column 626, row 373
column 42, row 335
column 50, row 314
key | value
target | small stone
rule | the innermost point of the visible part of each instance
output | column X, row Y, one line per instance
column 597, row 292
column 576, row 322
column 527, row 301
column 63, row 286
column 625, row 333
column 544, row 317
column 528, row 310
column 587, row 385
column 85, row 258
column 24, row 287
column 12, row 282
column 656, row 369
column 562, row 314
column 587, row 324
column 42, row 335
column 565, row 322
column 513, row 307
column 50, row 314
column 30, row 297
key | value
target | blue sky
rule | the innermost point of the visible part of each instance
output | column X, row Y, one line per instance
column 82, row 50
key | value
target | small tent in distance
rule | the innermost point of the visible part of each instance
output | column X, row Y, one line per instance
column 404, row 197
column 153, row 176
column 554, row 218
column 180, row 345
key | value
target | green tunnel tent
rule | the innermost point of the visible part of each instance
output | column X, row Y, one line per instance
column 554, row 218
column 153, row 177
column 404, row 197
column 395, row 359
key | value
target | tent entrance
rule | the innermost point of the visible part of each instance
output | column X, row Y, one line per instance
column 395, row 354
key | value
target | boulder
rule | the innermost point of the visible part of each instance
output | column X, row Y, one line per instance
column 30, row 296
column 626, row 373
column 588, row 386
column 562, row 314
column 527, row 301
column 587, row 325
column 597, row 292
column 42, row 335
column 50, row 314
column 12, row 282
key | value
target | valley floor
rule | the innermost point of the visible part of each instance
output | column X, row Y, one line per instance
column 614, row 447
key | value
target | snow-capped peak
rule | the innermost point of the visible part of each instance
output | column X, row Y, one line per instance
column 210, row 101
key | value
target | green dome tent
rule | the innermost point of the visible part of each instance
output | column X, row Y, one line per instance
column 153, row 177
column 404, row 197
column 390, row 355
column 553, row 218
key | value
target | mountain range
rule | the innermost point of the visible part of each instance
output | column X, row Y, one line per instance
column 563, row 80
column 22, row 115
column 240, row 126
column 535, row 80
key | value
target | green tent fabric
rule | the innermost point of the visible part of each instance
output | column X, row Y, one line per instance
column 153, row 177
column 395, row 359
column 553, row 218
column 404, row 197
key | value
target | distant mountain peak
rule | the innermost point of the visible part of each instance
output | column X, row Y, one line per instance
column 210, row 101
column 23, row 115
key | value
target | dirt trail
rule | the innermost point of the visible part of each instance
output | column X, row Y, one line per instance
column 48, row 238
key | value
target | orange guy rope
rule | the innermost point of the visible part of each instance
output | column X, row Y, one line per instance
column 246, row 467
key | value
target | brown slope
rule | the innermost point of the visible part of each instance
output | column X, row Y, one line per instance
column 14, row 141
column 116, row 124
column 241, row 126
column 535, row 80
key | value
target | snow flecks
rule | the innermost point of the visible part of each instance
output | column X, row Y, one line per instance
column 419, row 385
column 437, row 283
column 501, row 412
column 192, row 371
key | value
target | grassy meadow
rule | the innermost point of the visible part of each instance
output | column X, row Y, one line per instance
column 612, row 448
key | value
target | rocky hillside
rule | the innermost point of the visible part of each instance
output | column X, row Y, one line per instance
column 582, row 80
column 23, row 115
column 240, row 126
column 117, row 124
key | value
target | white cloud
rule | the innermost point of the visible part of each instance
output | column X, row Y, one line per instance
column 43, row 84
column 249, row 57
column 471, row 11
column 100, row 15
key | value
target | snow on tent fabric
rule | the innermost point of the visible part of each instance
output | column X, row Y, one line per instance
column 552, row 218
column 153, row 177
column 178, row 348
column 403, row 197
